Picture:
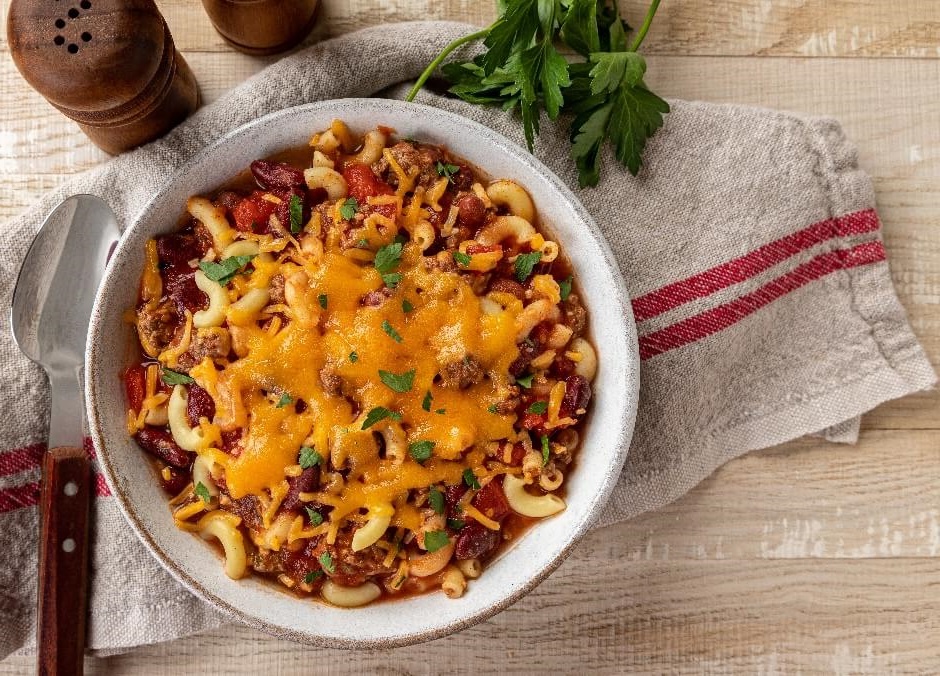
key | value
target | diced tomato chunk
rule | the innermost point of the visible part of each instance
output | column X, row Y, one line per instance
column 135, row 385
column 475, row 541
column 363, row 183
column 492, row 501
column 253, row 212
column 534, row 421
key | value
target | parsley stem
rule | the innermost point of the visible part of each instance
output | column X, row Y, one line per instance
column 443, row 55
column 644, row 29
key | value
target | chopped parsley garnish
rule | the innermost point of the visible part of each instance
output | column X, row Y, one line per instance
column 544, row 450
column 224, row 272
column 315, row 517
column 362, row 243
column 441, row 411
column 436, row 500
column 388, row 257
column 390, row 330
column 175, row 377
column 426, row 402
column 296, row 208
column 312, row 575
column 309, row 457
column 202, row 492
column 323, row 300
column 470, row 479
column 447, row 170
column 564, row 287
column 327, row 562
column 379, row 413
column 525, row 381
column 538, row 407
column 492, row 408
column 392, row 279
column 349, row 208
column 284, row 400
column 456, row 524
column 398, row 382
column 406, row 306
column 462, row 258
column 353, row 356
column 435, row 539
column 525, row 264
column 421, row 450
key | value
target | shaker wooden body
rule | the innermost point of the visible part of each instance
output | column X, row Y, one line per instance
column 110, row 65
column 262, row 27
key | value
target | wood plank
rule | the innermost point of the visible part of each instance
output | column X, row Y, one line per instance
column 816, row 28
column 867, row 616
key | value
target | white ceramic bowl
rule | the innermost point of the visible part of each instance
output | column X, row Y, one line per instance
column 528, row 560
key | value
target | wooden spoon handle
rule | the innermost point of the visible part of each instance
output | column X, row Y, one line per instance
column 63, row 561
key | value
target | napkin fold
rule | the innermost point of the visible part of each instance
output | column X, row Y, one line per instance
column 749, row 242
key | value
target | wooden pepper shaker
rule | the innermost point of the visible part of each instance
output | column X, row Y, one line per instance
column 262, row 27
column 110, row 65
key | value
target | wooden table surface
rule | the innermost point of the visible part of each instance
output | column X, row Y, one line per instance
column 809, row 557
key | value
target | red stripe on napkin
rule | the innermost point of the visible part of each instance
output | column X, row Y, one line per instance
column 738, row 270
column 21, row 459
column 27, row 495
column 712, row 321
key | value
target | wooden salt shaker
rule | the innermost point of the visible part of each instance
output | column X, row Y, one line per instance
column 110, row 65
column 260, row 27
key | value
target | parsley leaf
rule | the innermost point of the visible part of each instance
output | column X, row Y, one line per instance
column 525, row 381
column 284, row 400
column 441, row 411
column 525, row 263
column 492, row 408
column 392, row 279
column 349, row 208
column 426, row 402
column 544, row 450
column 327, row 562
column 462, row 258
column 456, row 524
column 377, row 414
column 435, row 539
column 436, row 500
column 470, row 479
column 353, row 356
column 312, row 575
column 323, row 300
column 421, row 450
column 564, row 287
column 406, row 306
column 538, row 407
column 388, row 257
column 296, row 209
column 390, row 330
column 175, row 377
column 309, row 457
column 224, row 272
column 447, row 170
column 203, row 493
column 315, row 517
column 398, row 382
column 521, row 70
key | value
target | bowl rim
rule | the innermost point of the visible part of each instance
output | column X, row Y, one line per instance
column 620, row 444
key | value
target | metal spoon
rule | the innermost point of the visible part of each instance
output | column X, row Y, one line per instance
column 51, row 308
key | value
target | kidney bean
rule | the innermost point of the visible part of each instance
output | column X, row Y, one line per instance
column 160, row 443
column 182, row 290
column 271, row 175
column 282, row 210
column 577, row 395
column 199, row 404
column 527, row 352
column 177, row 481
column 175, row 251
column 471, row 210
column 492, row 501
column 305, row 483
column 561, row 368
column 475, row 541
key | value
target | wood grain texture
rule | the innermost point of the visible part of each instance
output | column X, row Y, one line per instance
column 809, row 557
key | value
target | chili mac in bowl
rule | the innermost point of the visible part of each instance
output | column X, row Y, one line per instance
column 373, row 354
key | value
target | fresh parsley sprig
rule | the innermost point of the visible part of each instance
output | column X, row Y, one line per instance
column 523, row 70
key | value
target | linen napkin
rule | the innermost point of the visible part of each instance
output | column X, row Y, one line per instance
column 751, row 249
